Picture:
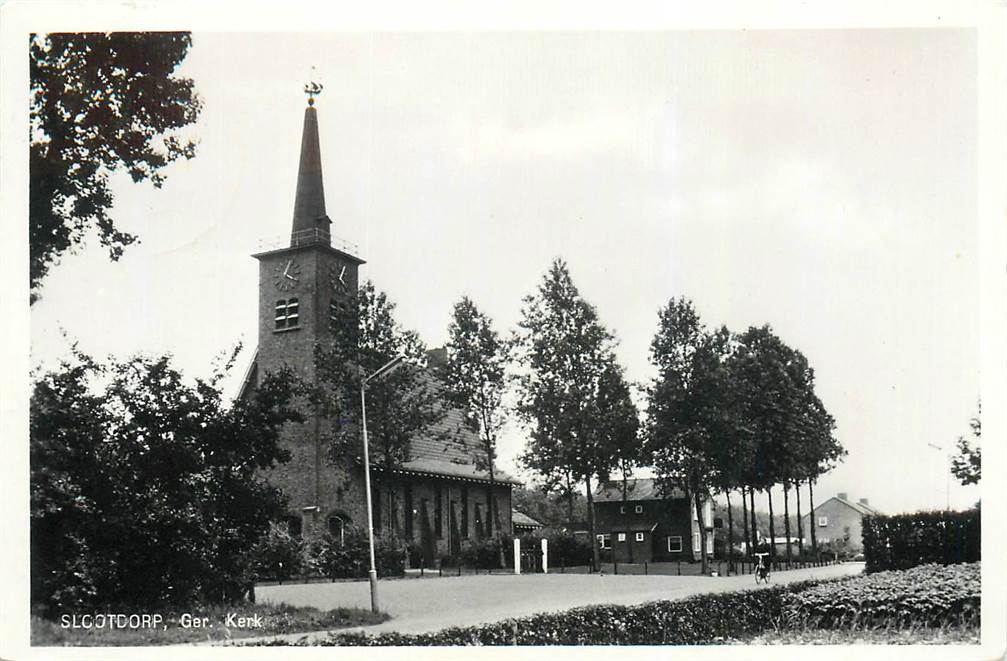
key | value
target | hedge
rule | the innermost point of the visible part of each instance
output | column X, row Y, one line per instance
column 904, row 541
column 698, row 620
column 928, row 595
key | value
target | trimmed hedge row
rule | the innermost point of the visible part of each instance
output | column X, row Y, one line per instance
column 904, row 541
column 929, row 595
column 699, row 620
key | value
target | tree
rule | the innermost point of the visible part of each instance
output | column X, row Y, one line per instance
column 759, row 367
column 564, row 351
column 619, row 426
column 546, row 508
column 100, row 102
column 401, row 405
column 132, row 468
column 687, row 410
column 967, row 465
column 475, row 378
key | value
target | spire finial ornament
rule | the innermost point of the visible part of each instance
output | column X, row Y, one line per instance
column 312, row 89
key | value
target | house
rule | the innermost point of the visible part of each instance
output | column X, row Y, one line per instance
column 646, row 525
column 524, row 524
column 839, row 518
column 439, row 497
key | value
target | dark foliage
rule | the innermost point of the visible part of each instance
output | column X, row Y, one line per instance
column 549, row 509
column 349, row 557
column 145, row 489
column 903, row 541
column 927, row 595
column 967, row 465
column 100, row 102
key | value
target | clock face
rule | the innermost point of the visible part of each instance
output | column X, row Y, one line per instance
column 287, row 275
column 338, row 277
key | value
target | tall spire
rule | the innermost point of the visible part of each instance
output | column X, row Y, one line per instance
column 310, row 225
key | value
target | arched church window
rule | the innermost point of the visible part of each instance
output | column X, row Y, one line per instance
column 287, row 313
column 338, row 525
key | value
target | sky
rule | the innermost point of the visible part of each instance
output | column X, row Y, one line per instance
column 822, row 182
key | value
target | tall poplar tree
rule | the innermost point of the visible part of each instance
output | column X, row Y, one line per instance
column 687, row 420
column 475, row 375
column 564, row 351
column 401, row 405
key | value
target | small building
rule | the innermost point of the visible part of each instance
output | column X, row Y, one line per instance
column 523, row 524
column 839, row 518
column 648, row 525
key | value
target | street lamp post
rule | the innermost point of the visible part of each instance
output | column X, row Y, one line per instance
column 372, row 573
column 947, row 477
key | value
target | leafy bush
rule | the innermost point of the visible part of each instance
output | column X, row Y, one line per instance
column 565, row 548
column 904, row 541
column 929, row 595
column 278, row 554
column 349, row 557
column 486, row 553
column 146, row 487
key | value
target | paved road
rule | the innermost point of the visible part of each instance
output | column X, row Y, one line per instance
column 421, row 605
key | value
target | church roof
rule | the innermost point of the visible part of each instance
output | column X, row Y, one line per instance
column 309, row 201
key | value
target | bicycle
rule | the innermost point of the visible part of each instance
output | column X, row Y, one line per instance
column 762, row 569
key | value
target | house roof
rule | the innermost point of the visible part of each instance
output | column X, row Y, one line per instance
column 522, row 519
column 644, row 488
column 860, row 508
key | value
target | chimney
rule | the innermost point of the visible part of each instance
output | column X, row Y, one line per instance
column 842, row 495
column 437, row 358
column 863, row 501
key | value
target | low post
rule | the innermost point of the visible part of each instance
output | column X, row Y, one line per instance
column 679, row 567
column 615, row 566
column 644, row 567
column 517, row 555
column 545, row 555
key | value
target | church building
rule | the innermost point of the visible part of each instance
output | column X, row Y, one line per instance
column 438, row 499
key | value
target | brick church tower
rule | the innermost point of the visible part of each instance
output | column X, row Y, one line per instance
column 438, row 499
column 300, row 287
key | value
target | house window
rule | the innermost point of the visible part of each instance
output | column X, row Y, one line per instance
column 639, row 536
column 695, row 542
column 638, row 509
column 622, row 509
column 709, row 544
column 605, row 541
column 675, row 544
column 622, row 537
column 287, row 313
column 823, row 521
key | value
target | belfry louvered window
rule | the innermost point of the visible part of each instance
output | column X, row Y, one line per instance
column 287, row 313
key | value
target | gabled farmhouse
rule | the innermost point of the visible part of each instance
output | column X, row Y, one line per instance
column 837, row 518
column 438, row 499
column 649, row 526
